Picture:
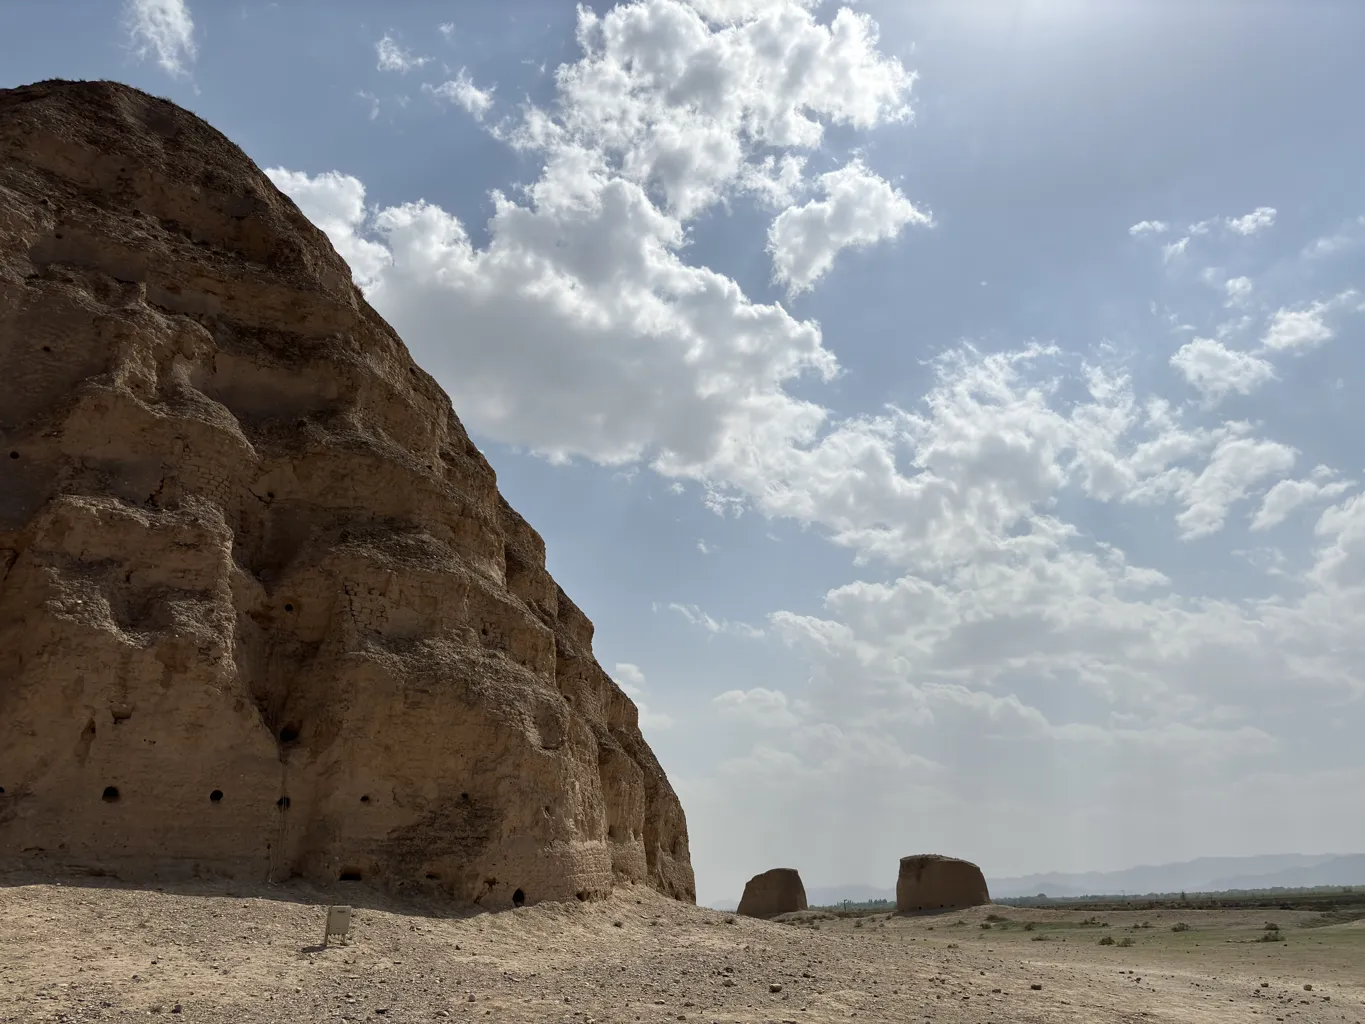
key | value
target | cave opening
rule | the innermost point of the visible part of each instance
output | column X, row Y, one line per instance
column 518, row 898
column 216, row 796
column 110, row 795
column 350, row 875
column 290, row 732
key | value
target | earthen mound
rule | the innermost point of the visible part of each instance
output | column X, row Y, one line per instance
column 263, row 612
column 777, row 891
column 929, row 882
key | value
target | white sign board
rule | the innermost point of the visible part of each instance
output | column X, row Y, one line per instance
column 338, row 924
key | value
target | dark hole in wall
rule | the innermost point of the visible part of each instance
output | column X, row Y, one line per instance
column 350, row 875
column 518, row 897
column 282, row 803
column 110, row 794
column 289, row 733
column 288, row 606
column 433, row 876
column 464, row 796
column 611, row 831
column 582, row 895
column 216, row 795
column 365, row 799
column 13, row 455
column 2, row 790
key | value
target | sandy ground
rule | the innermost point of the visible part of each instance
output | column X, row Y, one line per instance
column 92, row 951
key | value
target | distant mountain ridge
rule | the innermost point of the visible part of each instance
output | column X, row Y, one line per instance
column 1205, row 874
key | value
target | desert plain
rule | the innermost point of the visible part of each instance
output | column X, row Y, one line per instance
column 88, row 949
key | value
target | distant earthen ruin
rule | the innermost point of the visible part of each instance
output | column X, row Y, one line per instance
column 777, row 891
column 263, row 612
column 928, row 882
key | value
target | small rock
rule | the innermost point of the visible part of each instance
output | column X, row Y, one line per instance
column 1308, row 988
column 470, row 997
column 1036, row 987
column 774, row 987
column 729, row 982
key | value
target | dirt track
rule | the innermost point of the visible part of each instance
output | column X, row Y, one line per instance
column 92, row 951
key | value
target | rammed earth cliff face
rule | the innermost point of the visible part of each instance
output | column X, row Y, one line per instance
column 263, row 612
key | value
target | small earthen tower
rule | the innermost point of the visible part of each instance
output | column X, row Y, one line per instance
column 777, row 891
column 928, row 882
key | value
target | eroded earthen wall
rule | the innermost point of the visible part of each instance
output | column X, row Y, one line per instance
column 263, row 612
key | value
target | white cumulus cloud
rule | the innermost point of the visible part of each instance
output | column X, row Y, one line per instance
column 1217, row 371
column 162, row 29
column 1238, row 289
column 462, row 91
column 1298, row 330
column 1149, row 227
column 393, row 56
column 1289, row 495
column 1257, row 220
column 859, row 208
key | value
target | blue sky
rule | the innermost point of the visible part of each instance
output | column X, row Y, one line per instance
column 946, row 412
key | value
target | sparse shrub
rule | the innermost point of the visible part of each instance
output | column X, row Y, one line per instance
column 996, row 917
column 1145, row 924
column 985, row 925
column 730, row 919
column 1042, row 937
column 1108, row 940
column 1125, row 942
column 617, row 924
column 1269, row 937
column 1028, row 927
column 1270, row 926
column 1180, row 926
column 858, row 923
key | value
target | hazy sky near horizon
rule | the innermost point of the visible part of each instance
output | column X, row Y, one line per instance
column 945, row 412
